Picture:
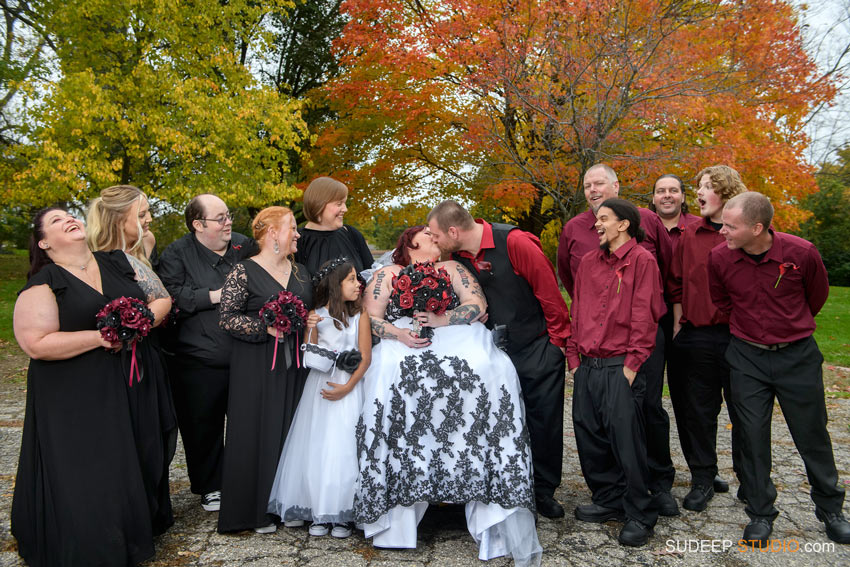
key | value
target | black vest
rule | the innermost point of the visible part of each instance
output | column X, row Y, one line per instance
column 510, row 299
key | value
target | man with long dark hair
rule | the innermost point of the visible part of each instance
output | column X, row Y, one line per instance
column 616, row 306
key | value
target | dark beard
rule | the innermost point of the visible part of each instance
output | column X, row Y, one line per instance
column 605, row 247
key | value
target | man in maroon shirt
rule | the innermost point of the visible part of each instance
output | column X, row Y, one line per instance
column 668, row 202
column 523, row 300
column 772, row 285
column 615, row 310
column 577, row 239
column 701, row 334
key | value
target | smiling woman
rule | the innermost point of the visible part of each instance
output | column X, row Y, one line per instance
column 95, row 451
column 325, row 237
column 119, row 220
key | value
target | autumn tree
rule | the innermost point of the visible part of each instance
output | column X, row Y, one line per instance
column 162, row 95
column 510, row 101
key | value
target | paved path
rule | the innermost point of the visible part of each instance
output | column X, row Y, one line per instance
column 444, row 540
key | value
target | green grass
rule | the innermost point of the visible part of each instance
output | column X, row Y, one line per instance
column 13, row 270
column 833, row 332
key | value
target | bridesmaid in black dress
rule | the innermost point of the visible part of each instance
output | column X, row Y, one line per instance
column 325, row 237
column 89, row 489
column 261, row 401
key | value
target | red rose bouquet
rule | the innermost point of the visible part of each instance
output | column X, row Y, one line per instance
column 422, row 287
column 126, row 320
column 286, row 313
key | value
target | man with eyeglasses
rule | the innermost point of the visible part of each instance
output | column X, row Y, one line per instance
column 193, row 269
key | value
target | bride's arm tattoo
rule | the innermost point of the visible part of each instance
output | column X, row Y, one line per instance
column 380, row 329
column 464, row 277
column 464, row 314
column 379, row 279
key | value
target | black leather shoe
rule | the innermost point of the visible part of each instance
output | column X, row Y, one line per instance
column 742, row 496
column 665, row 504
column 758, row 530
column 598, row 514
column 634, row 534
column 837, row 528
column 720, row 485
column 697, row 499
column 548, row 507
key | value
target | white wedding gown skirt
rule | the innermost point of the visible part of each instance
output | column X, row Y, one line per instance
column 446, row 424
column 317, row 470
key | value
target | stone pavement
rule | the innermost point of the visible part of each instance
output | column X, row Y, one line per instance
column 443, row 538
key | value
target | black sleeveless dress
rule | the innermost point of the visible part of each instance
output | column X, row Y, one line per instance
column 92, row 483
column 261, row 402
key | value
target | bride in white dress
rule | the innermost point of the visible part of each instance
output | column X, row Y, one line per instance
column 443, row 421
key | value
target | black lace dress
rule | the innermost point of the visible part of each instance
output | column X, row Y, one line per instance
column 261, row 402
column 92, row 484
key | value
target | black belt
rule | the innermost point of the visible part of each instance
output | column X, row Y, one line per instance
column 600, row 362
column 777, row 346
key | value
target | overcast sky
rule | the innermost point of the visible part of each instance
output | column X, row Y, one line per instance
column 827, row 31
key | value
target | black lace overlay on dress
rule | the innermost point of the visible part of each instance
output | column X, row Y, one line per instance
column 234, row 296
column 475, row 451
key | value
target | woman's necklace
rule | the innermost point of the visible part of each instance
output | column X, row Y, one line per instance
column 84, row 267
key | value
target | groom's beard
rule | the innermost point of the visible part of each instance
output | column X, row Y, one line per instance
column 605, row 247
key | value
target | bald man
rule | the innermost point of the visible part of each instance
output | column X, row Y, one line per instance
column 197, row 351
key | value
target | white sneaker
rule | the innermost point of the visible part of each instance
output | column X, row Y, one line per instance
column 341, row 530
column 293, row 523
column 270, row 529
column 211, row 501
column 318, row 530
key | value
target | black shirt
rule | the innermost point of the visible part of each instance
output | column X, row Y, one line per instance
column 189, row 271
column 315, row 247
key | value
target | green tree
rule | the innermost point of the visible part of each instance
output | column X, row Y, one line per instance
column 162, row 95
column 829, row 225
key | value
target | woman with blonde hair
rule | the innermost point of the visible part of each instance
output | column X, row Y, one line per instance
column 325, row 236
column 120, row 220
column 261, row 401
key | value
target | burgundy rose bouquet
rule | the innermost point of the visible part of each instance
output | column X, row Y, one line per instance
column 422, row 287
column 286, row 313
column 126, row 320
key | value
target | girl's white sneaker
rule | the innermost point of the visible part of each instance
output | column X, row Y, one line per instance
column 341, row 530
column 318, row 530
column 270, row 529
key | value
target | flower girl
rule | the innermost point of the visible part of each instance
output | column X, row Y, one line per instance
column 318, row 466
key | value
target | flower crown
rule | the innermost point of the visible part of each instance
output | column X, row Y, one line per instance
column 328, row 268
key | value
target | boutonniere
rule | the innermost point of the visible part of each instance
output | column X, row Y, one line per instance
column 783, row 267
column 483, row 265
column 619, row 273
column 236, row 247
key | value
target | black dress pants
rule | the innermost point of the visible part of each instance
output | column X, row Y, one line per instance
column 200, row 400
column 656, row 421
column 541, row 367
column 793, row 375
column 676, row 384
column 608, row 424
column 707, row 384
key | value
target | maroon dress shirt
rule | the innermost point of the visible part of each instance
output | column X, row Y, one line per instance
column 616, row 306
column 579, row 237
column 675, row 233
column 687, row 282
column 776, row 300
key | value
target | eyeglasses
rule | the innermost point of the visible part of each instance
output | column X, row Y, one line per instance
column 221, row 220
